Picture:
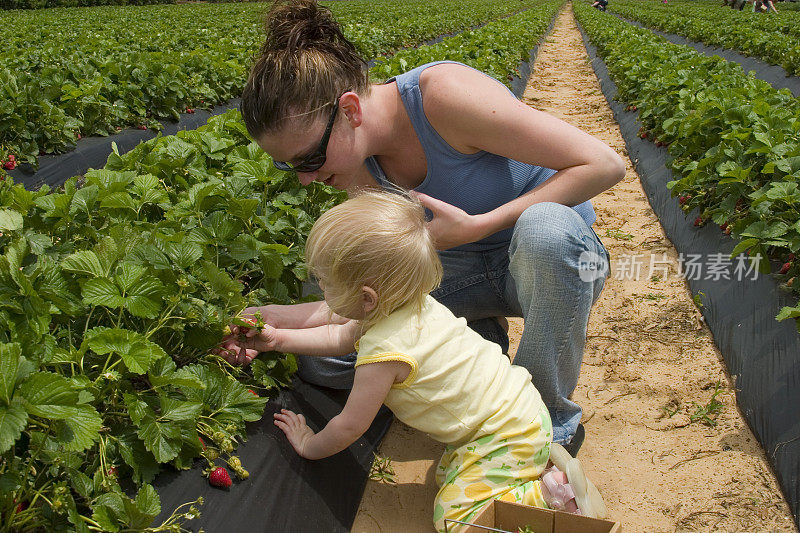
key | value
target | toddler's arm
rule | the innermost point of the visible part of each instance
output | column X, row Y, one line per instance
column 329, row 340
column 370, row 387
column 295, row 316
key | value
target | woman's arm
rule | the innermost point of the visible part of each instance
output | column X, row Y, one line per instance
column 474, row 112
column 370, row 387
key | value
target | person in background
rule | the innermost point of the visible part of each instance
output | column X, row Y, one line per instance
column 507, row 188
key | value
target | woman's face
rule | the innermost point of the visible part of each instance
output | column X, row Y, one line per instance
column 298, row 142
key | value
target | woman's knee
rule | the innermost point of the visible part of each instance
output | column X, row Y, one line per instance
column 548, row 230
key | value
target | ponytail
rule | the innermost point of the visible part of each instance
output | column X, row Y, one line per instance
column 306, row 63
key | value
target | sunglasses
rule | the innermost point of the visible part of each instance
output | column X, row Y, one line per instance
column 315, row 160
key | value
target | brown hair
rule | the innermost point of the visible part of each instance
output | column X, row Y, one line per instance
column 306, row 63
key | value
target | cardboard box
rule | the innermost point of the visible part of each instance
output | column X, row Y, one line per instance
column 508, row 517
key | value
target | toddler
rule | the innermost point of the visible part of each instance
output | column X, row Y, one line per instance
column 376, row 263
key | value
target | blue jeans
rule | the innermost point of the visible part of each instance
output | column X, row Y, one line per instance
column 550, row 274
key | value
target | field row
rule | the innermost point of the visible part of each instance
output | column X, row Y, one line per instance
column 68, row 73
column 733, row 138
column 773, row 38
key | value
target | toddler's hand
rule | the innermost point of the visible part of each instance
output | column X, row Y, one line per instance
column 295, row 428
column 244, row 344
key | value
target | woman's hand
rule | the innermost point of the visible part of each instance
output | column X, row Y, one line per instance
column 451, row 226
column 295, row 428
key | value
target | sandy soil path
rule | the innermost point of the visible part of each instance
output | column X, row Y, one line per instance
column 650, row 368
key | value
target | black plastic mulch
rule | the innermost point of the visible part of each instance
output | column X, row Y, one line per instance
column 762, row 354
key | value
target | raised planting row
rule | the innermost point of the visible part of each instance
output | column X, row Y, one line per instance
column 496, row 49
column 773, row 38
column 114, row 290
column 734, row 140
column 68, row 73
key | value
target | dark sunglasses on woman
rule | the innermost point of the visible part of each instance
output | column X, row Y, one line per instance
column 315, row 160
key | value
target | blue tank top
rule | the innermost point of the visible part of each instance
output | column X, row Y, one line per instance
column 477, row 183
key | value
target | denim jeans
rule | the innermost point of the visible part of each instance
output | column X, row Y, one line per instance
column 550, row 274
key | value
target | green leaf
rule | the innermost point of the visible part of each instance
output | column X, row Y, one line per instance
column 9, row 363
column 144, row 298
column 185, row 254
column 788, row 312
column 49, row 395
column 172, row 409
column 135, row 454
column 80, row 428
column 163, row 440
column 119, row 200
column 128, row 274
column 84, row 200
column 83, row 262
column 13, row 420
column 147, row 501
column 742, row 246
column 54, row 397
column 108, row 511
column 102, row 291
column 10, row 220
column 137, row 352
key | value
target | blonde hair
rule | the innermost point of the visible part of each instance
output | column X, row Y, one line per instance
column 306, row 63
column 377, row 239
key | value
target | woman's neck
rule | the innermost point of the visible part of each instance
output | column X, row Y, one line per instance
column 383, row 113
column 391, row 137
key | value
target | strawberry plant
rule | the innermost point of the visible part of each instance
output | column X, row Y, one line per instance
column 115, row 289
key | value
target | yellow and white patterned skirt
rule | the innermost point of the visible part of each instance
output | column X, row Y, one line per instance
column 505, row 465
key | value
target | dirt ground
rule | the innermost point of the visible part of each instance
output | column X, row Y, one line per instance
column 664, row 459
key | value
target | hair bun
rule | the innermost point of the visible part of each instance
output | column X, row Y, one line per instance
column 299, row 24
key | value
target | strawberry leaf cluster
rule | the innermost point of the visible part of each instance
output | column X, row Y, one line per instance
column 114, row 289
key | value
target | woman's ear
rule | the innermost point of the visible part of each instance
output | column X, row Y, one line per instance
column 369, row 299
column 350, row 104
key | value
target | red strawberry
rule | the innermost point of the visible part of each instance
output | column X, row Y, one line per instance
column 724, row 226
column 189, row 110
column 727, row 230
column 698, row 221
column 220, row 478
column 21, row 506
column 634, row 108
column 785, row 268
column 141, row 127
column 112, row 471
column 12, row 157
column 683, row 199
column 251, row 391
column 10, row 165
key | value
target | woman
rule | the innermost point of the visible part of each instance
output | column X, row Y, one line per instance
column 479, row 160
